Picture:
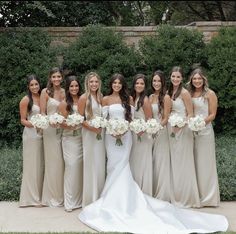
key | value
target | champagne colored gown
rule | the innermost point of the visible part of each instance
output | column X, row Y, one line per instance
column 184, row 190
column 73, row 176
column 33, row 165
column 123, row 207
column 94, row 160
column 141, row 157
column 205, row 159
column 54, row 163
column 161, row 161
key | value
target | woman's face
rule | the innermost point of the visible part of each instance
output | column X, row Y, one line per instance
column 176, row 78
column 34, row 86
column 74, row 88
column 139, row 85
column 156, row 83
column 93, row 84
column 197, row 81
column 116, row 85
column 56, row 79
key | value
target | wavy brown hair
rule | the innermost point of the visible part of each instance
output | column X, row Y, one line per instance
column 190, row 85
column 50, row 88
column 170, row 89
column 124, row 94
column 162, row 91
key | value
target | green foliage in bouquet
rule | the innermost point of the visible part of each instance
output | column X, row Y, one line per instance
column 172, row 46
column 21, row 53
column 221, row 54
column 103, row 51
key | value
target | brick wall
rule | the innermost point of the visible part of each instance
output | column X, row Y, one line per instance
column 132, row 35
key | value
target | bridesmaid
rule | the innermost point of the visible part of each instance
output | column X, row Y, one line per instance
column 72, row 147
column 141, row 152
column 184, row 190
column 205, row 103
column 161, row 106
column 93, row 150
column 50, row 99
column 32, row 180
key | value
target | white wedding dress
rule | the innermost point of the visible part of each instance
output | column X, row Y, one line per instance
column 123, row 207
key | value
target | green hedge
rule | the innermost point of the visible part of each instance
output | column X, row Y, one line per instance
column 11, row 170
column 21, row 54
column 221, row 54
column 104, row 51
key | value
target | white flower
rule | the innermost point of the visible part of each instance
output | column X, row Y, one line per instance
column 117, row 127
column 98, row 122
column 74, row 119
column 56, row 119
column 39, row 121
column 176, row 120
column 196, row 123
column 153, row 127
column 138, row 125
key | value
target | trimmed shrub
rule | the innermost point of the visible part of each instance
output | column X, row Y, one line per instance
column 21, row 54
column 103, row 51
column 221, row 54
column 172, row 46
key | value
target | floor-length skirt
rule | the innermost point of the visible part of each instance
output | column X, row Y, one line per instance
column 54, row 168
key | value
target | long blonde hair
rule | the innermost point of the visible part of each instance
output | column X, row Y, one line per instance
column 88, row 106
column 190, row 85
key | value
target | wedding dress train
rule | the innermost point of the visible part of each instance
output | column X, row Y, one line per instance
column 123, row 207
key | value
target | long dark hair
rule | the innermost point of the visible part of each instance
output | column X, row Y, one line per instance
column 124, row 94
column 29, row 94
column 50, row 89
column 170, row 89
column 163, row 89
column 69, row 99
column 142, row 94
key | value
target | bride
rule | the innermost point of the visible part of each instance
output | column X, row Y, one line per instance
column 122, row 206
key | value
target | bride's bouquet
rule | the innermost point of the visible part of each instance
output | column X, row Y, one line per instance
column 117, row 127
column 196, row 123
column 176, row 120
column 39, row 121
column 137, row 126
column 98, row 122
column 153, row 127
column 56, row 119
column 73, row 120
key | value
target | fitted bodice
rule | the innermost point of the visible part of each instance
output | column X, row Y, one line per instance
column 200, row 106
column 96, row 108
column 178, row 107
column 34, row 111
column 116, row 111
column 140, row 113
column 52, row 106
column 155, row 111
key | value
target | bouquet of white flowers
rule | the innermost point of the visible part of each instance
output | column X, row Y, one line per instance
column 73, row 120
column 137, row 126
column 39, row 121
column 98, row 122
column 153, row 127
column 56, row 119
column 196, row 123
column 117, row 127
column 176, row 120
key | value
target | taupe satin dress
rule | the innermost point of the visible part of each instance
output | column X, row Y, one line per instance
column 141, row 157
column 73, row 176
column 94, row 160
column 33, row 165
column 54, row 163
column 205, row 159
column 184, row 189
column 161, row 161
